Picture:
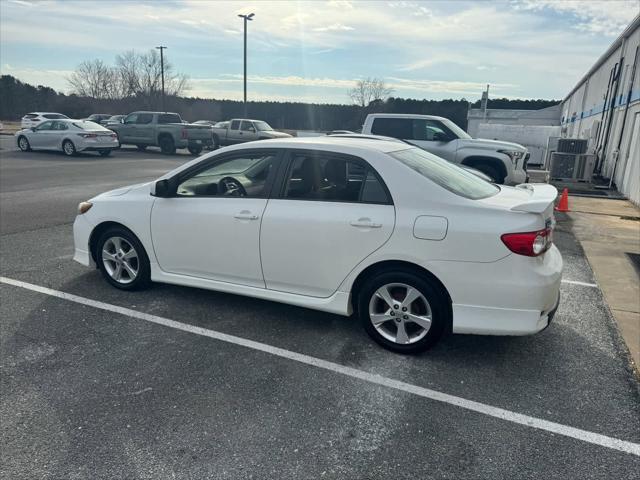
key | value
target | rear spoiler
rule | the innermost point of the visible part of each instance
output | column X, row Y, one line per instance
column 541, row 196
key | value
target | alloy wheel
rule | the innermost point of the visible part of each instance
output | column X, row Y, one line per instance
column 120, row 260
column 400, row 313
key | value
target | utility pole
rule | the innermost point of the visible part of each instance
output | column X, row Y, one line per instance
column 161, row 48
column 246, row 18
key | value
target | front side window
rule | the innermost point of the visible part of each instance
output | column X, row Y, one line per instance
column 324, row 177
column 245, row 175
column 263, row 126
column 133, row 118
column 144, row 118
column 445, row 174
column 44, row 126
column 247, row 127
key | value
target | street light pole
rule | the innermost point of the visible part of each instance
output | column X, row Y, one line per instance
column 246, row 18
column 161, row 48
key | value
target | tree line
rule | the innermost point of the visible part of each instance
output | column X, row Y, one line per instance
column 18, row 98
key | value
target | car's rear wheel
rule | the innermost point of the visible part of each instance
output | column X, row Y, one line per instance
column 195, row 149
column 104, row 153
column 402, row 311
column 215, row 143
column 141, row 148
column 23, row 144
column 167, row 145
column 122, row 259
column 68, row 148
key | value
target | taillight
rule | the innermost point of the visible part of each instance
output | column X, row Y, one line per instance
column 88, row 135
column 530, row 244
column 184, row 133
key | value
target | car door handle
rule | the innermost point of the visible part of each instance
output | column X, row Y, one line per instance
column 246, row 215
column 365, row 223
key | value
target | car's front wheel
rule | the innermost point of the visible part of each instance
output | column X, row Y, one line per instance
column 23, row 144
column 68, row 148
column 402, row 311
column 195, row 149
column 122, row 260
column 167, row 145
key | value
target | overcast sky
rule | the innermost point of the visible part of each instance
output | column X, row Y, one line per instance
column 314, row 50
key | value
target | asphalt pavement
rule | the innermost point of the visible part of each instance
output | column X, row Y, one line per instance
column 92, row 391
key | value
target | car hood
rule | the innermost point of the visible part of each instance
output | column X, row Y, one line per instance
column 486, row 144
column 274, row 134
column 121, row 191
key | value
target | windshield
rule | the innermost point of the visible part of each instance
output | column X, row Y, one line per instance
column 262, row 126
column 87, row 125
column 455, row 128
column 446, row 174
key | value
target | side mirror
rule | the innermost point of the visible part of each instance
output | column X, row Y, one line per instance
column 33, row 129
column 162, row 189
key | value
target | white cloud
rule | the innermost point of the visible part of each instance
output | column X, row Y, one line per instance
column 336, row 27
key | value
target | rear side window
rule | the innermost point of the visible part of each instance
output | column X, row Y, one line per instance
column 393, row 127
column 31, row 116
column 445, row 174
column 169, row 118
column 144, row 118
column 314, row 176
column 235, row 124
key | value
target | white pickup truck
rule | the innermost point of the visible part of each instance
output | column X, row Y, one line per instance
column 240, row 130
column 504, row 162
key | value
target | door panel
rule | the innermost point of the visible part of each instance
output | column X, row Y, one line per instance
column 309, row 247
column 216, row 238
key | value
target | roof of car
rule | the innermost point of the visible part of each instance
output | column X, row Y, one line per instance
column 381, row 145
column 405, row 115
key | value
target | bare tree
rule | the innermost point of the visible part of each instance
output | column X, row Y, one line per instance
column 134, row 74
column 369, row 90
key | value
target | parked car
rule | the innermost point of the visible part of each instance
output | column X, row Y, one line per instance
column 34, row 118
column 211, row 123
column 68, row 136
column 413, row 244
column 99, row 118
column 504, row 162
column 240, row 130
column 164, row 130
column 113, row 120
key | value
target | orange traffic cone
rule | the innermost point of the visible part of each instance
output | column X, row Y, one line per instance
column 563, row 204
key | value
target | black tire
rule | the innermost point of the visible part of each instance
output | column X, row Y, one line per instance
column 143, row 278
column 490, row 171
column 104, row 153
column 215, row 143
column 437, row 303
column 23, row 143
column 141, row 148
column 68, row 148
column 167, row 145
column 195, row 149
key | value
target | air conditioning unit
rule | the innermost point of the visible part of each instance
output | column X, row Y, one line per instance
column 572, row 145
column 571, row 167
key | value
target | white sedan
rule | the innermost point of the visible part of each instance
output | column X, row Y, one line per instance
column 68, row 136
column 412, row 244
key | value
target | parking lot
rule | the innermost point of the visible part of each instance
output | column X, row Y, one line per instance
column 186, row 383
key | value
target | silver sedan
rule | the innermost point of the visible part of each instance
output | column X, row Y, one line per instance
column 68, row 136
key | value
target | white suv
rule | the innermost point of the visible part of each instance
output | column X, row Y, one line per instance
column 34, row 119
column 504, row 162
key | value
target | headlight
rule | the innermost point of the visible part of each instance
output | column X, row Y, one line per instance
column 514, row 155
column 83, row 207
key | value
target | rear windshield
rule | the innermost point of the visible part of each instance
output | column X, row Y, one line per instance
column 54, row 116
column 87, row 125
column 446, row 174
column 169, row 118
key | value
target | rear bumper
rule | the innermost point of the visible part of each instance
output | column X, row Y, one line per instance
column 516, row 295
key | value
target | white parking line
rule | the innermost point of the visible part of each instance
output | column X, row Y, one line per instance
column 584, row 284
column 507, row 415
